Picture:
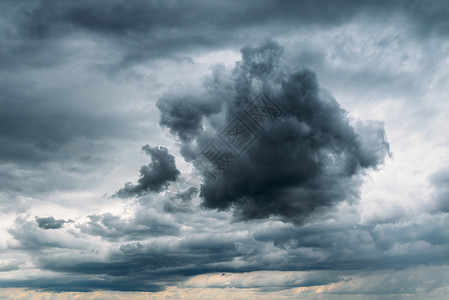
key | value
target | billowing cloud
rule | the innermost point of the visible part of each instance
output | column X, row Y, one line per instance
column 294, row 148
column 154, row 177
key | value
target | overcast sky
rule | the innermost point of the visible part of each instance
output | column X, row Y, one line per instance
column 224, row 149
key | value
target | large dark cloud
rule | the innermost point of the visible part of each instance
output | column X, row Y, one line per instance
column 307, row 155
column 154, row 177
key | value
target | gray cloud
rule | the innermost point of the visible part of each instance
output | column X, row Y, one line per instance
column 143, row 225
column 154, row 177
column 50, row 223
column 308, row 158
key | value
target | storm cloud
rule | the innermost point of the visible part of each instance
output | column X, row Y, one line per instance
column 307, row 155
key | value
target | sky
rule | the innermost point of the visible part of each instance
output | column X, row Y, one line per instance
column 224, row 149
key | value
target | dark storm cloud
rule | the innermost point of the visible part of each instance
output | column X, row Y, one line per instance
column 308, row 158
column 154, row 177
column 50, row 223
